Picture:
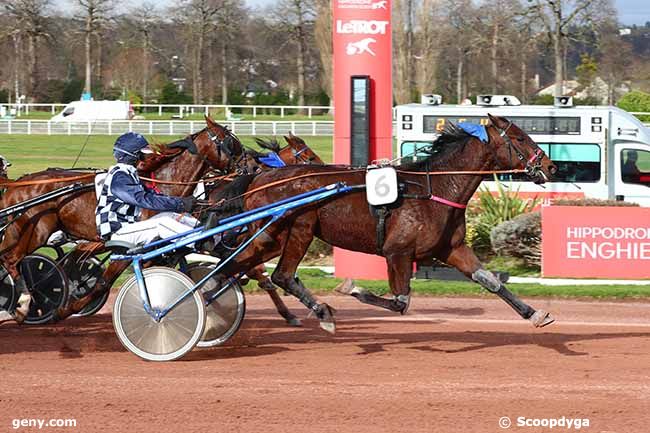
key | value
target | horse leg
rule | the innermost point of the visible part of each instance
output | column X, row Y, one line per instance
column 400, row 270
column 284, row 275
column 264, row 282
column 104, row 284
column 464, row 259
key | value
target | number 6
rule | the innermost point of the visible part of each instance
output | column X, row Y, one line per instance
column 382, row 189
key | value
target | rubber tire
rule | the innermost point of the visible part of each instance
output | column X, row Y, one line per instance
column 76, row 273
column 8, row 295
column 128, row 304
column 221, row 309
column 54, row 287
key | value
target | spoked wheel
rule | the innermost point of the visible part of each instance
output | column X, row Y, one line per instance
column 82, row 277
column 225, row 314
column 176, row 333
column 8, row 295
column 48, row 286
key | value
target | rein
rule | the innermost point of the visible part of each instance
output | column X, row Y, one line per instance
column 18, row 183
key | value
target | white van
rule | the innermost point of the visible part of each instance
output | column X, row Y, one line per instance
column 592, row 146
column 94, row 110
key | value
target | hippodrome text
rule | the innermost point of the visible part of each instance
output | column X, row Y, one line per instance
column 608, row 243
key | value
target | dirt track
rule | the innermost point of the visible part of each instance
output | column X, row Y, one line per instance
column 451, row 365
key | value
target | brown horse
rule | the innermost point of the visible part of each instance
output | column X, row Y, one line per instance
column 427, row 221
column 163, row 173
column 295, row 154
column 184, row 162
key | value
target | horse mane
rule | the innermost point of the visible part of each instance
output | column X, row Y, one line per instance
column 164, row 154
column 443, row 150
column 271, row 144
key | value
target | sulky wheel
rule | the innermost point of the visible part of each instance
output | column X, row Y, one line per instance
column 176, row 333
column 8, row 295
column 48, row 286
column 225, row 314
column 82, row 277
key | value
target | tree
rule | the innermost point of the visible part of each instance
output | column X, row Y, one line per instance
column 29, row 21
column 93, row 16
column 558, row 18
column 323, row 36
column 144, row 18
column 403, row 23
column 616, row 59
column 296, row 19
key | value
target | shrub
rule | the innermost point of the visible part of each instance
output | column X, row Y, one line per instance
column 636, row 101
column 520, row 237
column 491, row 211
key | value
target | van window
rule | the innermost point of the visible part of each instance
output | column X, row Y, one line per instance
column 68, row 111
column 419, row 149
column 575, row 163
column 635, row 166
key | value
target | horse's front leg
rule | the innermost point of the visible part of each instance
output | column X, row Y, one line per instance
column 400, row 271
column 464, row 259
column 264, row 282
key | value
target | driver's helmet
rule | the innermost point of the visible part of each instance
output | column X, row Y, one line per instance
column 129, row 147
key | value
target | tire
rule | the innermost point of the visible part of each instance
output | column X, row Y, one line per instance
column 48, row 286
column 8, row 295
column 225, row 315
column 172, row 337
column 81, row 281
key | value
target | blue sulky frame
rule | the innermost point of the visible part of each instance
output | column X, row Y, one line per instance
column 156, row 249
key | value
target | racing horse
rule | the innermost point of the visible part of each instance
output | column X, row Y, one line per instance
column 182, row 162
column 297, row 152
column 427, row 221
column 184, row 187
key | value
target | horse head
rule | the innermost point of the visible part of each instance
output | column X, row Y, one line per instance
column 516, row 150
column 217, row 146
column 301, row 152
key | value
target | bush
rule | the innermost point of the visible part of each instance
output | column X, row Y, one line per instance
column 520, row 237
column 491, row 211
column 636, row 101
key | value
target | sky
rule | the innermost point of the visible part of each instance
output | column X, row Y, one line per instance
column 629, row 11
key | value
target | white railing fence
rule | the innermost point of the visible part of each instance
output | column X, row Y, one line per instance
column 185, row 110
column 159, row 127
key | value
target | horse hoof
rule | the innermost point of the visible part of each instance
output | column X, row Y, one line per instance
column 328, row 327
column 346, row 287
column 541, row 319
column 294, row 322
column 326, row 316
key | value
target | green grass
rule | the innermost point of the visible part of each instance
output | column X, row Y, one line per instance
column 31, row 153
column 321, row 283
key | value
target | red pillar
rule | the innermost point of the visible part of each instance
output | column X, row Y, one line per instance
column 362, row 42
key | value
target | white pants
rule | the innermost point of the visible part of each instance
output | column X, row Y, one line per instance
column 160, row 226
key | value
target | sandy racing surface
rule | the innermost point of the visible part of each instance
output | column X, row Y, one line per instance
column 451, row 365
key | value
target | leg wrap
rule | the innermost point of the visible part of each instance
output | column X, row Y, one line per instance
column 487, row 279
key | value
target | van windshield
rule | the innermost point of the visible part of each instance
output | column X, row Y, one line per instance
column 68, row 111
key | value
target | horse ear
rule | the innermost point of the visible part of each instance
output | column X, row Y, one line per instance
column 288, row 139
column 209, row 121
column 497, row 121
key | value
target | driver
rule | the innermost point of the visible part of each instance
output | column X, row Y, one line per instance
column 630, row 172
column 122, row 198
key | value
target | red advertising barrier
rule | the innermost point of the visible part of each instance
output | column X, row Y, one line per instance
column 362, row 46
column 596, row 242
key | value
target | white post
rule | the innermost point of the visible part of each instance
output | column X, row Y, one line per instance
column 207, row 110
column 293, row 128
column 309, row 112
column 254, row 111
column 160, row 111
column 313, row 128
column 281, row 111
column 150, row 127
column 89, row 128
column 253, row 132
column 110, row 127
column 53, row 111
column 130, row 126
column 29, row 127
column 191, row 127
column 9, row 126
column 275, row 128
